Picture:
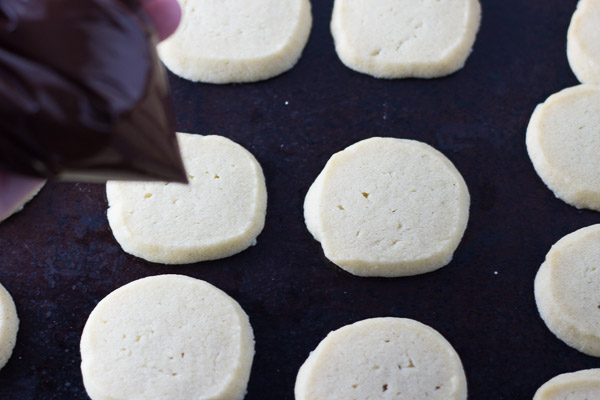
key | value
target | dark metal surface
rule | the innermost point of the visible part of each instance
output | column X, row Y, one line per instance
column 58, row 257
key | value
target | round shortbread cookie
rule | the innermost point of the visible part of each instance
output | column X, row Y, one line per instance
column 220, row 212
column 580, row 385
column 9, row 325
column 563, row 142
column 382, row 358
column 405, row 38
column 388, row 207
column 167, row 337
column 237, row 40
column 567, row 290
column 583, row 41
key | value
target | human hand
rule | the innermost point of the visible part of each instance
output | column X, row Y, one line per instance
column 15, row 190
column 165, row 15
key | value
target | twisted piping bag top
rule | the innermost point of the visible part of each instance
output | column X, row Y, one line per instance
column 83, row 95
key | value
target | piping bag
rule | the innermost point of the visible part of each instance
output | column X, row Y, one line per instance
column 83, row 95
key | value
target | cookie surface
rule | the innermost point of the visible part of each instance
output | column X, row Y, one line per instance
column 167, row 337
column 220, row 212
column 237, row 40
column 580, row 385
column 382, row 358
column 563, row 142
column 567, row 290
column 583, row 42
column 9, row 325
column 405, row 38
column 388, row 207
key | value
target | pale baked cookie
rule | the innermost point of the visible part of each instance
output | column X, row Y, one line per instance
column 382, row 358
column 405, row 38
column 583, row 41
column 219, row 213
column 167, row 337
column 237, row 40
column 388, row 207
column 9, row 325
column 580, row 385
column 563, row 142
column 567, row 290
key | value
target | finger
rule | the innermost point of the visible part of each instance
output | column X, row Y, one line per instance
column 165, row 14
column 15, row 191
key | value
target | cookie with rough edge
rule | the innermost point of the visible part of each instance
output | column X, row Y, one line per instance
column 237, row 40
column 405, row 38
column 167, row 337
column 9, row 325
column 583, row 42
column 567, row 290
column 580, row 385
column 563, row 142
column 388, row 207
column 220, row 212
column 382, row 358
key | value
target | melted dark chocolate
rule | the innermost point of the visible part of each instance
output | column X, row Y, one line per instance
column 83, row 95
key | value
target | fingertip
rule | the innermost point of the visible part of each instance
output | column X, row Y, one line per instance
column 15, row 190
column 165, row 15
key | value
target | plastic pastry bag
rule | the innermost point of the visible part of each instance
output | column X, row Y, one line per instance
column 83, row 95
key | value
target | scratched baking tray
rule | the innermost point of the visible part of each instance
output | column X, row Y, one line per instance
column 58, row 257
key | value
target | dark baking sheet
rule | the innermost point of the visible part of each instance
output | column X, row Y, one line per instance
column 58, row 257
